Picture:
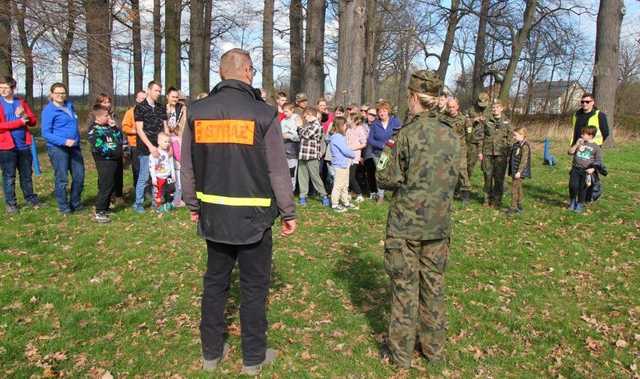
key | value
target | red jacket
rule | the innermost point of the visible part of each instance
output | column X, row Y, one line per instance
column 6, row 141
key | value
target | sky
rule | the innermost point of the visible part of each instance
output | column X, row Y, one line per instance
column 250, row 38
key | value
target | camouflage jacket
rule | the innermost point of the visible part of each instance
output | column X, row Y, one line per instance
column 422, row 171
column 497, row 137
column 475, row 129
column 459, row 125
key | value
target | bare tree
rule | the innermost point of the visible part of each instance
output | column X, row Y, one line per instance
column 351, row 51
column 197, row 46
column 28, row 36
column 137, row 45
column 267, row 47
column 295, row 47
column 479, row 63
column 609, row 24
column 5, row 38
column 372, row 40
column 314, row 51
column 452, row 26
column 99, row 58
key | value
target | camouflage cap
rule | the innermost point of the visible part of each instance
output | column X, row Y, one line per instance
column 301, row 97
column 483, row 99
column 426, row 82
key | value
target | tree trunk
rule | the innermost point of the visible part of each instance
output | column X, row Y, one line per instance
column 267, row 47
column 208, row 7
column 27, row 51
column 196, row 48
column 67, row 43
column 372, row 36
column 137, row 46
column 5, row 39
column 454, row 18
column 99, row 48
column 351, row 51
column 157, row 42
column 478, row 65
column 314, row 51
column 172, row 12
column 605, row 84
column 295, row 48
column 517, row 42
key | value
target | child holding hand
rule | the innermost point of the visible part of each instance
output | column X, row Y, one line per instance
column 163, row 174
column 587, row 157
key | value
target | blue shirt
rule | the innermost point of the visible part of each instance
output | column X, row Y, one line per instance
column 341, row 154
column 19, row 135
column 378, row 135
column 60, row 124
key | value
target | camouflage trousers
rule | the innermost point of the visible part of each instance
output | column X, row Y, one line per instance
column 472, row 158
column 464, row 184
column 418, row 307
column 494, row 168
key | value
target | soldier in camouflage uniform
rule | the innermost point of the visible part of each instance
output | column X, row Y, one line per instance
column 459, row 123
column 422, row 170
column 496, row 145
column 478, row 117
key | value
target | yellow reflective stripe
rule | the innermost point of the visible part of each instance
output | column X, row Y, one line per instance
column 234, row 201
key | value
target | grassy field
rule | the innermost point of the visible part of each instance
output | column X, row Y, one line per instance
column 546, row 294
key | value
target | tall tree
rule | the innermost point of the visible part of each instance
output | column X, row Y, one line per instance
column 479, row 62
column 67, row 42
column 99, row 56
column 372, row 38
column 452, row 25
column 196, row 47
column 314, row 51
column 157, row 42
column 267, row 47
column 208, row 8
column 5, row 38
column 609, row 23
column 137, row 45
column 28, row 38
column 172, row 66
column 351, row 51
column 295, row 47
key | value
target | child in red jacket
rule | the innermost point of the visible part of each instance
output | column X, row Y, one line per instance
column 15, row 145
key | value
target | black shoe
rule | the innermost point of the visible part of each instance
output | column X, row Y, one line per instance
column 102, row 218
column 465, row 198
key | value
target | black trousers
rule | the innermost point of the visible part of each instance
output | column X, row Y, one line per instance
column 118, row 187
column 353, row 180
column 578, row 184
column 107, row 181
column 254, row 262
column 135, row 164
column 370, row 167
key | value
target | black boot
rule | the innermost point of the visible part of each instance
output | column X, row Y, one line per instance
column 465, row 198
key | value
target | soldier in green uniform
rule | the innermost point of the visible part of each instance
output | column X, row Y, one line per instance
column 478, row 116
column 459, row 123
column 495, row 155
column 421, row 169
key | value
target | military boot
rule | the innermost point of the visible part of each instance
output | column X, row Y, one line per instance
column 465, row 198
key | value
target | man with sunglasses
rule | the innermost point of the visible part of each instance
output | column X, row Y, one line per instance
column 589, row 115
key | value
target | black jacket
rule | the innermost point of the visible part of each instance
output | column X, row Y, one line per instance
column 234, row 171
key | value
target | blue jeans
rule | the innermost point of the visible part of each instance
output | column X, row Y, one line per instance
column 67, row 160
column 10, row 160
column 143, row 177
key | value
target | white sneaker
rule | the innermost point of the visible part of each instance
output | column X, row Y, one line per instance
column 351, row 207
column 339, row 208
column 359, row 199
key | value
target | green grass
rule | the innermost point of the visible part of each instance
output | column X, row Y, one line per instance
column 546, row 294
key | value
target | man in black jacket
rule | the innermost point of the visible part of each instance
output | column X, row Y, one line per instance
column 589, row 115
column 236, row 182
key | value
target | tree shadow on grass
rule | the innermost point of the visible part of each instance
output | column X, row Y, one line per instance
column 367, row 285
column 544, row 195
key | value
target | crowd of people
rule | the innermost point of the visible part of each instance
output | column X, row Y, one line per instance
column 335, row 152
column 236, row 162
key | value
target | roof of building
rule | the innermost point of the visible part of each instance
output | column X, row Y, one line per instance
column 552, row 89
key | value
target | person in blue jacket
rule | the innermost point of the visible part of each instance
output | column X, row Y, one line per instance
column 381, row 133
column 60, row 130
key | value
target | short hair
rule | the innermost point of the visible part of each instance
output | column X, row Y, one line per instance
column 227, row 60
column 521, row 130
column 359, row 119
column 58, row 85
column 153, row 83
column 310, row 111
column 98, row 110
column 587, row 94
column 320, row 100
column 288, row 106
column 8, row 80
column 281, row 94
column 102, row 97
column 173, row 89
column 383, row 105
column 499, row 102
column 589, row 130
column 338, row 123
column 163, row 135
column 339, row 108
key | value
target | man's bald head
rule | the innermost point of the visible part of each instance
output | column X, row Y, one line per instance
column 236, row 64
column 453, row 106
